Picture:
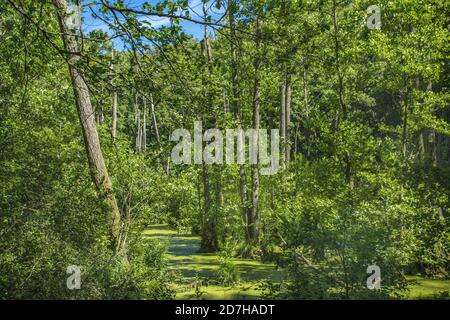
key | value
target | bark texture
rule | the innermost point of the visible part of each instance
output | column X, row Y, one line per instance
column 94, row 153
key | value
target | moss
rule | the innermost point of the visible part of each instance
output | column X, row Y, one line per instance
column 186, row 261
column 241, row 292
column 423, row 288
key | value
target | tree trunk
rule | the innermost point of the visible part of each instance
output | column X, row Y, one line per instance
column 283, row 122
column 338, row 65
column 144, row 126
column 99, row 111
column 94, row 153
column 287, row 105
column 156, row 130
column 405, row 122
column 347, row 157
column 285, row 119
column 138, row 127
column 155, row 123
column 136, row 105
column 253, row 226
column 209, row 240
column 306, row 110
column 114, row 106
column 236, row 107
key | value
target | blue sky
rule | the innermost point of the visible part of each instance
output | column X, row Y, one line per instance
column 196, row 6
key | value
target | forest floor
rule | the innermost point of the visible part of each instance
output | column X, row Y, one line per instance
column 190, row 266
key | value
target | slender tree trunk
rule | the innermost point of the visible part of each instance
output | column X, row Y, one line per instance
column 306, row 110
column 114, row 105
column 165, row 165
column 138, row 127
column 197, row 228
column 283, row 122
column 236, row 106
column 435, row 152
column 285, row 119
column 144, row 126
column 287, row 105
column 405, row 122
column 99, row 111
column 338, row 65
column 209, row 240
column 155, row 123
column 422, row 148
column 94, row 153
column 253, row 227
column 235, row 88
column 347, row 156
column 444, row 141
column 423, row 135
column 305, row 90
column 136, row 106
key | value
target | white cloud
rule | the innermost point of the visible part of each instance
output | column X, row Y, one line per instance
column 155, row 21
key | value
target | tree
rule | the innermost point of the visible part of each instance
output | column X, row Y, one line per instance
column 94, row 153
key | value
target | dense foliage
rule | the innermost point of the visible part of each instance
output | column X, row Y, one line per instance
column 365, row 153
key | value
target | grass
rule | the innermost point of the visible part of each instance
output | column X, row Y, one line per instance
column 189, row 266
column 423, row 288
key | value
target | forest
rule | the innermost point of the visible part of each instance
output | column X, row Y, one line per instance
column 224, row 149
